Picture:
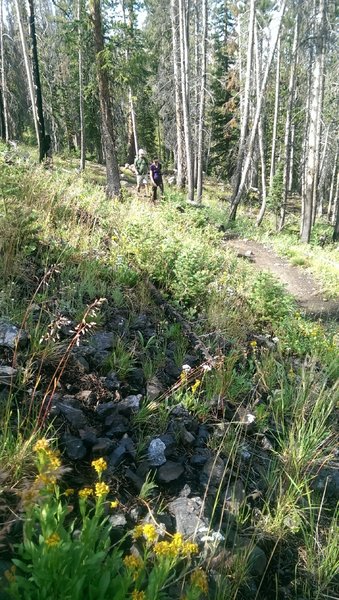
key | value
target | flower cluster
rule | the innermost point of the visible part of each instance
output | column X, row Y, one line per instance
column 195, row 386
column 53, row 540
column 147, row 531
column 99, row 465
column 199, row 580
column 176, row 548
column 49, row 471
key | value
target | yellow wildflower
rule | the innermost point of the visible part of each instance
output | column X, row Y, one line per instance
column 138, row 595
column 177, row 540
column 54, row 460
column 149, row 532
column 138, row 532
column 69, row 492
column 132, row 562
column 10, row 574
column 41, row 445
column 195, row 386
column 114, row 504
column 253, row 343
column 189, row 548
column 53, row 540
column 199, row 580
column 45, row 479
column 165, row 549
column 99, row 465
column 101, row 489
column 29, row 496
column 85, row 492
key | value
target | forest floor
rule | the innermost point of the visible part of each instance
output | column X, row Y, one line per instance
column 297, row 281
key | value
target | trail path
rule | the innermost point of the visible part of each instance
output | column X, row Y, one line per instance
column 297, row 281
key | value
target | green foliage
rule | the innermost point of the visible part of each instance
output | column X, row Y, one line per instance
column 269, row 299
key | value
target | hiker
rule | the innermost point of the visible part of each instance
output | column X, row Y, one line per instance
column 156, row 178
column 141, row 167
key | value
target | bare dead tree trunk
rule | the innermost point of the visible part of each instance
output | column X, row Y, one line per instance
column 202, row 100
column 183, row 28
column 81, row 93
column 180, row 152
column 37, row 83
column 260, row 132
column 332, row 186
column 276, row 114
column 315, row 112
column 112, row 168
column 319, row 125
column 288, row 122
column 28, row 69
column 3, row 86
column 335, row 219
column 247, row 162
column 246, row 101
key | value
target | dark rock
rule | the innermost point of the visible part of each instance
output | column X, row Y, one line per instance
column 136, row 379
column 12, row 337
column 189, row 515
column 202, row 436
column 105, row 409
column 170, row 471
column 125, row 449
column 102, row 447
column 213, row 472
column 140, row 323
column 88, row 436
column 135, row 479
column 80, row 364
column 327, row 481
column 99, row 359
column 156, row 452
column 169, row 440
column 200, row 457
column 186, row 437
column 154, row 388
column 190, row 360
column 103, row 340
column 73, row 415
column 129, row 405
column 74, row 447
column 116, row 425
column 111, row 382
column 7, row 374
column 172, row 370
column 257, row 562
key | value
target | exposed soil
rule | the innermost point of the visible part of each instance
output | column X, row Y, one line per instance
column 298, row 282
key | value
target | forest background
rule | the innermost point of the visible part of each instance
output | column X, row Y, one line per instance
column 245, row 91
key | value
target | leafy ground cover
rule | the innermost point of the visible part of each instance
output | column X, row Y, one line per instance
column 247, row 440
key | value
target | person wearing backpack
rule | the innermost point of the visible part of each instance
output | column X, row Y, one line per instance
column 141, row 167
column 156, row 178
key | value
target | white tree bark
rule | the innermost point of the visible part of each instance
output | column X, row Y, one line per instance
column 260, row 131
column 81, row 93
column 202, row 100
column 276, row 114
column 3, row 85
column 180, row 151
column 183, row 29
column 28, row 70
column 288, row 122
column 247, row 162
column 315, row 112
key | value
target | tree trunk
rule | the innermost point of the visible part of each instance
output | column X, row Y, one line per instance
column 336, row 213
column 112, row 167
column 37, row 83
column 315, row 114
column 180, row 152
column 246, row 102
column 319, row 126
column 247, row 162
column 288, row 122
column 202, row 101
column 3, row 88
column 275, row 118
column 185, row 96
column 333, row 180
column 260, row 132
column 28, row 69
column 81, row 93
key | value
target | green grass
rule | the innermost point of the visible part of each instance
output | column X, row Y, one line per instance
column 105, row 249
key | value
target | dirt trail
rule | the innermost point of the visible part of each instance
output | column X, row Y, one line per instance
column 298, row 282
